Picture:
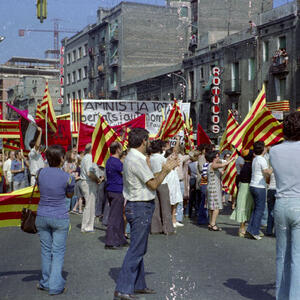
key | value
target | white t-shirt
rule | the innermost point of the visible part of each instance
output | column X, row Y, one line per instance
column 156, row 162
column 258, row 165
column 6, row 168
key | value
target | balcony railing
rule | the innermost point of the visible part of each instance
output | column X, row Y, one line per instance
column 280, row 69
column 232, row 87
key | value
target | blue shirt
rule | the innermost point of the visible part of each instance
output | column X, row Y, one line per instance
column 53, row 184
column 285, row 161
column 114, row 178
column 17, row 165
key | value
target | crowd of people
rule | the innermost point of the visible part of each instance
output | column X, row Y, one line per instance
column 151, row 188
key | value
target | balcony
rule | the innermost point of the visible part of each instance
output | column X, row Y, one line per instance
column 114, row 62
column 102, row 47
column 280, row 70
column 232, row 87
column 92, row 51
column 114, row 36
column 113, row 87
column 91, row 74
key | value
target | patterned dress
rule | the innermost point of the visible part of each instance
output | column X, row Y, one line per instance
column 214, row 189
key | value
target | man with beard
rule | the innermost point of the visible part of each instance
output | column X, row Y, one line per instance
column 139, row 185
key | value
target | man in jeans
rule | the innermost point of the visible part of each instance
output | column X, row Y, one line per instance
column 18, row 171
column 284, row 159
column 139, row 185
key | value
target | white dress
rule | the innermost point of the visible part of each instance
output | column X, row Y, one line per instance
column 174, row 187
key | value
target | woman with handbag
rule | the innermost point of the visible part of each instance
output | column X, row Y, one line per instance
column 52, row 221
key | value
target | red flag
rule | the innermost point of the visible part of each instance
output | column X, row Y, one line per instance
column 202, row 137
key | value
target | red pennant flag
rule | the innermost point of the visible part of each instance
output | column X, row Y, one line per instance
column 202, row 137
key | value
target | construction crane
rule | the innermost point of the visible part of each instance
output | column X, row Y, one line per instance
column 56, row 32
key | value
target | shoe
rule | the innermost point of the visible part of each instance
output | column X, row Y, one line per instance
column 107, row 247
column 40, row 288
column 215, row 228
column 261, row 234
column 88, row 231
column 257, row 237
column 74, row 212
column 62, row 292
column 178, row 224
column 145, row 291
column 174, row 225
column 121, row 296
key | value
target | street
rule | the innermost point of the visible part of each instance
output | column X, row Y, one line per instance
column 194, row 264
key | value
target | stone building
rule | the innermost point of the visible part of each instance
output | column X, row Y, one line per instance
column 128, row 41
column 22, row 82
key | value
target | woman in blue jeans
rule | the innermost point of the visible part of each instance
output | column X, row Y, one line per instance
column 260, row 172
column 52, row 219
column 285, row 161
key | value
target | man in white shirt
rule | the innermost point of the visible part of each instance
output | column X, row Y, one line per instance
column 7, row 171
column 139, row 185
column 36, row 161
column 260, row 174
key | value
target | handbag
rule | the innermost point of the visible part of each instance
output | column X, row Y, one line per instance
column 28, row 216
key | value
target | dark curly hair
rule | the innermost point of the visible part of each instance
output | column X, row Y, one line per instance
column 291, row 126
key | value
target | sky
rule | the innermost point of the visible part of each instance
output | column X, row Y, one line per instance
column 21, row 14
column 74, row 15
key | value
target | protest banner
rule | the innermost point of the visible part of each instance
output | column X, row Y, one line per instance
column 117, row 112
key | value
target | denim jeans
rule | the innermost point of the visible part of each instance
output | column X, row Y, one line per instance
column 259, row 197
column 193, row 198
column 132, row 274
column 202, row 211
column 271, row 202
column 53, row 234
column 287, row 226
column 179, row 210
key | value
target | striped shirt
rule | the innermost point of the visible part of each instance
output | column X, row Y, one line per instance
column 204, row 174
column 136, row 173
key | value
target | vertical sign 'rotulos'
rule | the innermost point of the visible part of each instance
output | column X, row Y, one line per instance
column 215, row 99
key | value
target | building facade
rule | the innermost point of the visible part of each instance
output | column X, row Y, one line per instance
column 128, row 41
column 23, row 80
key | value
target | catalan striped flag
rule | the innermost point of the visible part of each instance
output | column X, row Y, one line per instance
column 174, row 123
column 47, row 106
column 102, row 138
column 279, row 105
column 229, row 176
column 38, row 114
column 231, row 126
column 10, row 129
column 11, row 205
column 162, row 125
column 259, row 103
column 263, row 127
column 77, row 111
column 189, row 135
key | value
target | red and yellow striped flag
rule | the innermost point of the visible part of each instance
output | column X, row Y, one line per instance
column 263, row 127
column 229, row 176
column 11, row 205
column 102, row 138
column 279, row 105
column 189, row 135
column 77, row 111
column 10, row 129
column 237, row 137
column 47, row 106
column 174, row 123
column 231, row 126
column 38, row 114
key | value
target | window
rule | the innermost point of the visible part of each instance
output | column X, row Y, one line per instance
column 79, row 94
column 201, row 73
column 78, row 74
column 68, row 58
column 184, row 12
column 69, row 78
column 68, row 99
column 113, row 78
column 251, row 68
column 85, row 49
column 235, row 76
column 73, row 77
column 74, row 56
column 85, row 93
column 73, row 95
column 266, row 51
column 282, row 42
column 85, row 72
column 282, row 87
column 79, row 54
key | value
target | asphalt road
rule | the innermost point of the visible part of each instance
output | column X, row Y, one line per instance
column 194, row 264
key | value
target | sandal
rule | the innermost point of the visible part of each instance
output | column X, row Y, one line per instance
column 209, row 227
column 215, row 228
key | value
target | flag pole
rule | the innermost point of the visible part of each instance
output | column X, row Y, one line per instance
column 46, row 126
